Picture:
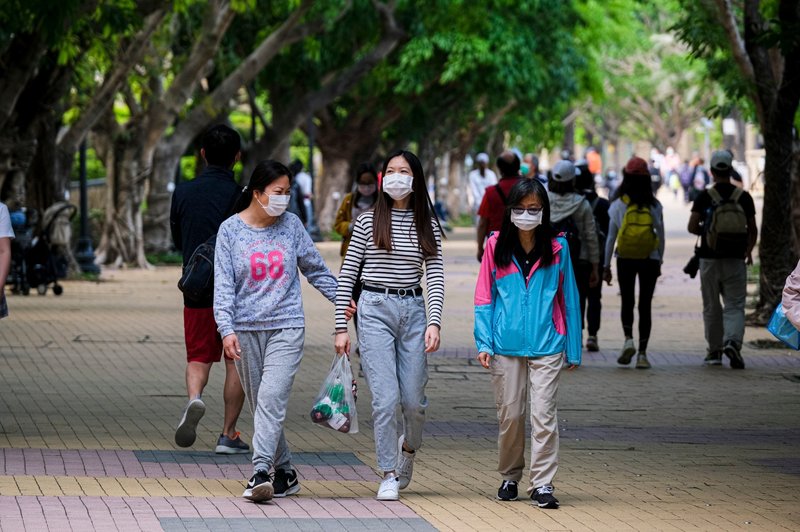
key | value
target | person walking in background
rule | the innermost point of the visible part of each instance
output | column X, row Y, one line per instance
column 636, row 227
column 361, row 199
column 296, row 203
column 259, row 310
column 389, row 245
column 725, row 218
column 479, row 179
column 527, row 320
column 571, row 215
column 198, row 208
column 591, row 303
column 306, row 189
column 594, row 162
column 492, row 209
column 6, row 235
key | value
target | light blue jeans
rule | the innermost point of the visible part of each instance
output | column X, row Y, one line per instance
column 270, row 360
column 391, row 336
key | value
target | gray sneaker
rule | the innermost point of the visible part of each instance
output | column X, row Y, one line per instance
column 405, row 465
column 641, row 361
column 187, row 428
column 235, row 445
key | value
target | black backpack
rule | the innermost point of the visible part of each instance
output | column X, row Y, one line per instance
column 569, row 229
column 197, row 279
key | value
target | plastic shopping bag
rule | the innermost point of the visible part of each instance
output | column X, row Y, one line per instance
column 783, row 329
column 335, row 405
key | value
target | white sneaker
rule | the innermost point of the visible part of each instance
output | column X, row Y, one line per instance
column 628, row 350
column 405, row 465
column 389, row 489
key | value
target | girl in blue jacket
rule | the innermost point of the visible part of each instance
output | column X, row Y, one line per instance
column 527, row 319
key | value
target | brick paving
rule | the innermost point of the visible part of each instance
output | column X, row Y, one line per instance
column 91, row 387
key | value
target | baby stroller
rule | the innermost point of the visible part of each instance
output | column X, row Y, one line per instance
column 22, row 223
column 45, row 260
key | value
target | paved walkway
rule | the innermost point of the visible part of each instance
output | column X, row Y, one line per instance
column 91, row 387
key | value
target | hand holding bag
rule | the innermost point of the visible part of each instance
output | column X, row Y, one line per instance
column 335, row 405
column 783, row 329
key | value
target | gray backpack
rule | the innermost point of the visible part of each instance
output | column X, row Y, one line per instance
column 726, row 224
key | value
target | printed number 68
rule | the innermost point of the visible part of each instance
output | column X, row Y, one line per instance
column 259, row 269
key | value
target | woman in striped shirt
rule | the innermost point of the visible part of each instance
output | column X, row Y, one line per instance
column 392, row 242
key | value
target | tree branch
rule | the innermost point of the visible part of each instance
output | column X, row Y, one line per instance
column 216, row 23
column 287, row 33
column 737, row 44
column 69, row 141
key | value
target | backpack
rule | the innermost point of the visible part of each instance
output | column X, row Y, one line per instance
column 197, row 280
column 637, row 235
column 569, row 230
column 726, row 224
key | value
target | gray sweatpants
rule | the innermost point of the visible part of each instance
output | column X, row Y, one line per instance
column 270, row 360
column 726, row 278
column 391, row 336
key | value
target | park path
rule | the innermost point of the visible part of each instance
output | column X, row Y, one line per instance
column 91, row 387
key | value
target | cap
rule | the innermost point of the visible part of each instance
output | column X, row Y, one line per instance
column 636, row 166
column 564, row 171
column 721, row 160
column 482, row 158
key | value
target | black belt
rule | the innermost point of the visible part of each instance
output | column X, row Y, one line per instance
column 402, row 292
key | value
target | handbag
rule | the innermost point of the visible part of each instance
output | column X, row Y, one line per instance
column 783, row 329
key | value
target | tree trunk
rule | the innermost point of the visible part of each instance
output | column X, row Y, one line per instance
column 776, row 248
column 332, row 188
column 122, row 242
column 43, row 186
column 457, row 185
column 157, row 234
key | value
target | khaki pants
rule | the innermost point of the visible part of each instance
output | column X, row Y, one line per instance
column 510, row 377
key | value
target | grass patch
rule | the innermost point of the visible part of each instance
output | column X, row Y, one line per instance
column 332, row 236
column 165, row 259
column 753, row 273
column 462, row 220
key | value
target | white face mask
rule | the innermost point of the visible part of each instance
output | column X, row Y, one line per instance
column 398, row 186
column 277, row 204
column 526, row 221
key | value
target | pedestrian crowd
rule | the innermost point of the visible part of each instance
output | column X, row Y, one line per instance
column 546, row 242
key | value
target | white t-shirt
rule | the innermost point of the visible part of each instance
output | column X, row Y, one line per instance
column 6, row 231
column 478, row 184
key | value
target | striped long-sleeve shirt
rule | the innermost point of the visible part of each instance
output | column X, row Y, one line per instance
column 400, row 268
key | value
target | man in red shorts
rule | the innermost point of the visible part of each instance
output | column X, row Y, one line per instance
column 199, row 207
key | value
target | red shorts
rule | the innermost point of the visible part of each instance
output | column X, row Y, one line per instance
column 203, row 342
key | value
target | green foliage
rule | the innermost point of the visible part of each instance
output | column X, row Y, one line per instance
column 165, row 259
column 94, row 166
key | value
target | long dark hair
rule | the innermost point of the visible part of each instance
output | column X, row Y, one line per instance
column 509, row 234
column 364, row 168
column 638, row 187
column 265, row 173
column 421, row 202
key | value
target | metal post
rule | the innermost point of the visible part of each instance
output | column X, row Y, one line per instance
column 85, row 251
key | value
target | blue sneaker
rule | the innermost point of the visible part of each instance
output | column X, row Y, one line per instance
column 235, row 445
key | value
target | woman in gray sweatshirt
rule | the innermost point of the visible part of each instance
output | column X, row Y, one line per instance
column 259, row 313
